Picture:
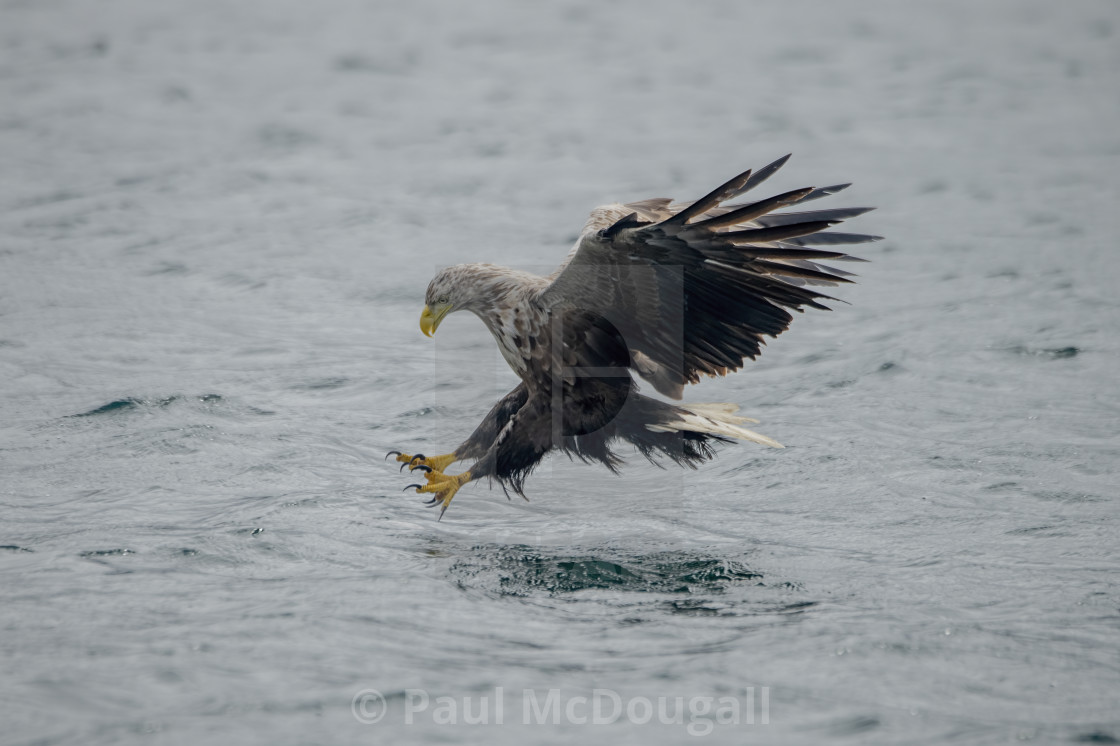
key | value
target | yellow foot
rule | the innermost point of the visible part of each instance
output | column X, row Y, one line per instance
column 435, row 463
column 442, row 488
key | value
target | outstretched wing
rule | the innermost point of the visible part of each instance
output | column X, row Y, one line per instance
column 694, row 287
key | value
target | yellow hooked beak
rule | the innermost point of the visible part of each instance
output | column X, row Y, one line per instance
column 429, row 319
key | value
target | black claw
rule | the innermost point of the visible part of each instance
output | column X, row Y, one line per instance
column 406, row 489
column 433, row 502
column 423, row 467
column 417, row 456
column 392, row 453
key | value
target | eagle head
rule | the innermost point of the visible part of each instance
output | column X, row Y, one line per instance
column 452, row 289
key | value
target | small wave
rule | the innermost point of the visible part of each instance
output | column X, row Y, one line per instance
column 1049, row 353
column 521, row 570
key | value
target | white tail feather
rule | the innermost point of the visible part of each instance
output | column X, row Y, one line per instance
column 722, row 410
column 715, row 419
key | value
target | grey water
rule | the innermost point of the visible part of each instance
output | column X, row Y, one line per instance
column 217, row 222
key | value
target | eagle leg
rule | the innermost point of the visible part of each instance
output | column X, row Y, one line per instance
column 435, row 463
column 442, row 487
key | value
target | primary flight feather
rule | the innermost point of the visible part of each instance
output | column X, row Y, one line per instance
column 669, row 291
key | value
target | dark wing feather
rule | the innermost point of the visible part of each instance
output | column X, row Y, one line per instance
column 720, row 194
column 762, row 175
column 785, row 218
column 777, row 233
column 756, row 209
column 831, row 239
column 695, row 293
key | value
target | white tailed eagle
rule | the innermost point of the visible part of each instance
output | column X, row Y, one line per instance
column 669, row 291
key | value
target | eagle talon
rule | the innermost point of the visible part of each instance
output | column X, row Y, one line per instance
column 433, row 478
column 442, row 487
column 421, row 467
column 435, row 463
